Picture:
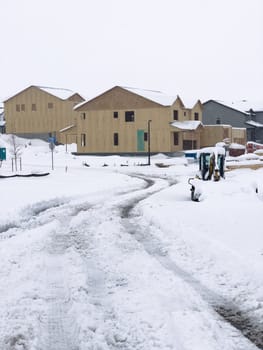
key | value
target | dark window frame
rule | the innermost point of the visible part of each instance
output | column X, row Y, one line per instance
column 176, row 138
column 129, row 116
column 115, row 139
column 175, row 114
column 196, row 116
column 83, row 140
column 115, row 115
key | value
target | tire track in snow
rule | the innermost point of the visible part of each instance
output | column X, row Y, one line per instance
column 58, row 331
column 58, row 328
column 249, row 327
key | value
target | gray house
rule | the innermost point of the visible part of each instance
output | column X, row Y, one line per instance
column 237, row 114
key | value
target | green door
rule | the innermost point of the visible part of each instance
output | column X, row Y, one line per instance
column 140, row 140
column 2, row 153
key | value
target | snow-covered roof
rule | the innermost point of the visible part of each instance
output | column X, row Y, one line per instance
column 67, row 128
column 243, row 105
column 155, row 96
column 152, row 95
column 187, row 124
column 80, row 104
column 61, row 93
column 255, row 124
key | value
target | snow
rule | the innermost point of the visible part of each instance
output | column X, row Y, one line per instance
column 236, row 146
column 255, row 124
column 119, row 257
column 67, row 128
column 156, row 96
column 187, row 124
column 61, row 93
column 244, row 105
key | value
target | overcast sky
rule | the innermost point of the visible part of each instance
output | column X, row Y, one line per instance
column 197, row 49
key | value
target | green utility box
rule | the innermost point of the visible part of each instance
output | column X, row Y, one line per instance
column 2, row 153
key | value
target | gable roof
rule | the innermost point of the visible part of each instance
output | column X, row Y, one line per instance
column 61, row 93
column 243, row 106
column 152, row 96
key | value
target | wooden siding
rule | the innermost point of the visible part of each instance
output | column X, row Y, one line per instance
column 51, row 115
column 99, row 124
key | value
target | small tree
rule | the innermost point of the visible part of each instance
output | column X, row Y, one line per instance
column 15, row 149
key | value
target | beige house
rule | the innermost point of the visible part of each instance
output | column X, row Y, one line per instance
column 42, row 112
column 211, row 134
column 126, row 120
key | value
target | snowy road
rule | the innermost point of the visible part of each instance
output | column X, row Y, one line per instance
column 92, row 272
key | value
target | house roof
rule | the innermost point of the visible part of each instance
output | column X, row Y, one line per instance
column 67, row 128
column 255, row 124
column 152, row 95
column 243, row 106
column 60, row 93
column 187, row 125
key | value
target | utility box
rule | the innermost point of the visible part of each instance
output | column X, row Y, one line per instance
column 2, row 153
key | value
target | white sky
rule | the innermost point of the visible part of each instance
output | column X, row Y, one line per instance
column 195, row 48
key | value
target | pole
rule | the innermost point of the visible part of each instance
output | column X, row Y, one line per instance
column 52, row 158
column 66, row 143
column 52, row 146
column 149, row 142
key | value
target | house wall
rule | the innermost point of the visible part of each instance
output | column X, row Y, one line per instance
column 99, row 124
column 239, row 135
column 259, row 131
column 213, row 112
column 212, row 134
column 42, row 121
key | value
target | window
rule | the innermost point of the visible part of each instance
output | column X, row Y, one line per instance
column 50, row 105
column 116, row 139
column 175, row 114
column 218, row 121
column 34, row 107
column 83, row 116
column 83, row 140
column 145, row 136
column 184, row 114
column 176, row 138
column 23, row 107
column 129, row 116
column 115, row 115
column 196, row 116
column 18, row 108
column 189, row 144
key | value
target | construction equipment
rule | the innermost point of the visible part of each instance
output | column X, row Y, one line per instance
column 211, row 166
column 212, row 163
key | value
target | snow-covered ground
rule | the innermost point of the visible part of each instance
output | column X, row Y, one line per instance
column 115, row 255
